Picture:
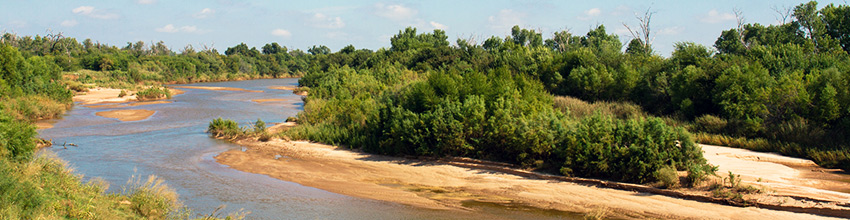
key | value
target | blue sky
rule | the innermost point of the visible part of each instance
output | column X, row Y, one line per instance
column 367, row 24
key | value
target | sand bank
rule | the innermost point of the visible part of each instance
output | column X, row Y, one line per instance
column 126, row 105
column 216, row 88
column 43, row 125
column 269, row 100
column 290, row 88
column 103, row 95
column 440, row 186
column 127, row 115
column 782, row 175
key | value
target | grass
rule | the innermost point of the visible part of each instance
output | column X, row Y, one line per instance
column 578, row 108
column 33, row 107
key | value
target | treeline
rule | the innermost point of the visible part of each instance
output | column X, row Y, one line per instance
column 783, row 88
column 138, row 63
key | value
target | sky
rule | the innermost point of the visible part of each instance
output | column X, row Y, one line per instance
column 370, row 24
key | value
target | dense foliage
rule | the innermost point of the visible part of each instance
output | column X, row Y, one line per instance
column 785, row 86
column 423, row 97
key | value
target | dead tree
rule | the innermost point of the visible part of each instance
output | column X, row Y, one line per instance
column 644, row 32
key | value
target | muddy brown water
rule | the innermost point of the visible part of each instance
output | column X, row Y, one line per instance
column 172, row 145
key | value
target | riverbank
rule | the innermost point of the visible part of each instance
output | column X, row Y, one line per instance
column 437, row 185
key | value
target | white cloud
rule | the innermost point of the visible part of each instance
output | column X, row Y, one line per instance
column 590, row 13
column 170, row 28
column 438, row 25
column 395, row 12
column 94, row 13
column 146, row 2
column 671, row 31
column 593, row 12
column 714, row 17
column 204, row 13
column 320, row 20
column 69, row 23
column 281, row 33
column 505, row 19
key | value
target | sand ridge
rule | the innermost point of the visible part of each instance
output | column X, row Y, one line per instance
column 440, row 186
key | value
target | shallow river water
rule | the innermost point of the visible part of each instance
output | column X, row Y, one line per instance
column 172, row 145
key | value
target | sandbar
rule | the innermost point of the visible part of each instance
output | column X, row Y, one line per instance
column 127, row 114
column 103, row 95
column 216, row 88
column 269, row 100
column 283, row 87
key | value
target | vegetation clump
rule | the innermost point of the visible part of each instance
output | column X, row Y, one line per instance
column 153, row 93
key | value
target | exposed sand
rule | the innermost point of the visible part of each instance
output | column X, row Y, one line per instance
column 43, row 125
column 269, row 100
column 174, row 91
column 216, row 88
column 103, row 95
column 126, row 105
column 277, row 128
column 785, row 175
column 290, row 88
column 127, row 114
column 439, row 186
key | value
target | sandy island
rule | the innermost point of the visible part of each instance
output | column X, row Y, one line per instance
column 216, row 88
column 127, row 115
column 102, row 95
column 439, row 186
column 290, row 88
column 126, row 105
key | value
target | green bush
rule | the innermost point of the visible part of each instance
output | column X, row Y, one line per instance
column 225, row 128
column 667, row 177
column 153, row 93
column 601, row 146
column 711, row 124
column 16, row 139
column 151, row 198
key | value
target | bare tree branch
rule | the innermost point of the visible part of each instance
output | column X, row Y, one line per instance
column 644, row 31
column 783, row 14
column 739, row 17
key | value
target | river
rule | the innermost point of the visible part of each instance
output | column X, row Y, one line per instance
column 172, row 145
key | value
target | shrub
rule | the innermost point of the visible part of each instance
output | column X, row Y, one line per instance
column 151, row 198
column 77, row 86
column 667, row 177
column 16, row 139
column 225, row 128
column 710, row 124
column 698, row 173
column 291, row 119
column 153, row 93
column 259, row 126
column 122, row 94
column 601, row 146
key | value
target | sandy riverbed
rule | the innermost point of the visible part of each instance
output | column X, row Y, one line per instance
column 216, row 88
column 290, row 88
column 103, row 95
column 439, row 186
column 127, row 114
